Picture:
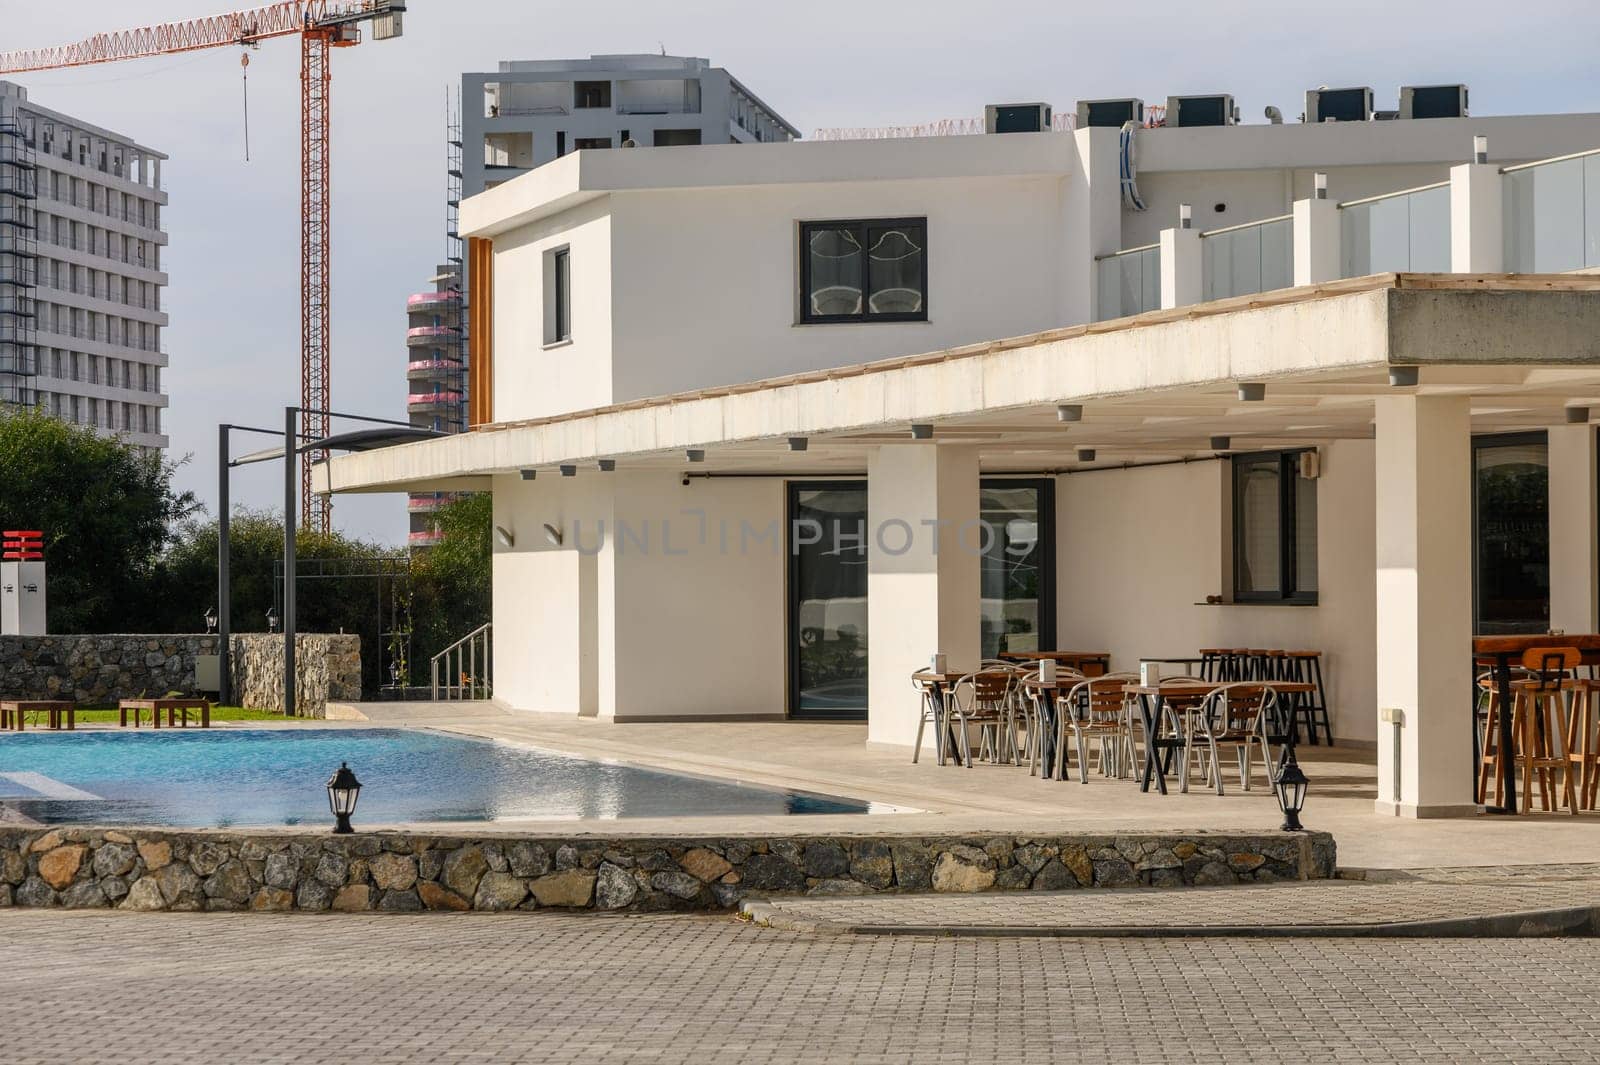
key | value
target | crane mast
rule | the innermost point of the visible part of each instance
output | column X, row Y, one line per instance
column 322, row 25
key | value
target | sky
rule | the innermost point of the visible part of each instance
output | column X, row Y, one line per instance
column 234, row 226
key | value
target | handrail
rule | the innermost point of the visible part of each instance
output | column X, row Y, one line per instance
column 1393, row 195
column 1247, row 225
column 468, row 666
column 1552, row 159
column 1128, row 251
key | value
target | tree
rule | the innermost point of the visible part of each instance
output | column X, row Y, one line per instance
column 450, row 580
column 105, row 508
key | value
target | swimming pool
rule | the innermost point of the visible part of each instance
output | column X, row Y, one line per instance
column 238, row 777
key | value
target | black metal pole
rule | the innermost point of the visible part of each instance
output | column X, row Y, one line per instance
column 1508, row 752
column 224, row 598
column 291, row 489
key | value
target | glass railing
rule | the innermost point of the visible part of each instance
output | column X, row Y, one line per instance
column 1254, row 257
column 1399, row 231
column 1552, row 215
column 1129, row 282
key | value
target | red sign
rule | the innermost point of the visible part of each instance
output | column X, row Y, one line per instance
column 22, row 545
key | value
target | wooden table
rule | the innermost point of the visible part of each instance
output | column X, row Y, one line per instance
column 173, row 707
column 13, row 711
column 1089, row 663
column 1188, row 664
column 1501, row 650
column 1152, row 699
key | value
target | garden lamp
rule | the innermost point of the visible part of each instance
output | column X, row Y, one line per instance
column 272, row 619
column 343, row 791
column 211, row 620
column 1291, row 789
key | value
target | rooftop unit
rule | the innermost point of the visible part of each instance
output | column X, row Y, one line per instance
column 1217, row 109
column 1016, row 118
column 1433, row 101
column 1338, row 105
column 1114, row 113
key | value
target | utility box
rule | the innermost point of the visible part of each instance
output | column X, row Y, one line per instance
column 1017, row 118
column 208, row 673
column 22, row 598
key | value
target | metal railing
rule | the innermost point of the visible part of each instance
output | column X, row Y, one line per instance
column 1408, row 230
column 1129, row 282
column 466, row 666
column 1253, row 257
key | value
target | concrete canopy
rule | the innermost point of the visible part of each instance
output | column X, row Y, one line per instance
column 1155, row 387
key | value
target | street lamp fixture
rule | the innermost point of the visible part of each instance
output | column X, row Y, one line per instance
column 1291, row 789
column 272, row 619
column 211, row 620
column 343, row 791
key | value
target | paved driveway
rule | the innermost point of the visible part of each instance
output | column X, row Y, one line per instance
column 77, row 987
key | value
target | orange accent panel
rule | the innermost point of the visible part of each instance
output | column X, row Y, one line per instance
column 480, row 304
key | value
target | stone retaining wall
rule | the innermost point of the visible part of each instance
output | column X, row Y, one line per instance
column 97, row 670
column 327, row 669
column 91, row 868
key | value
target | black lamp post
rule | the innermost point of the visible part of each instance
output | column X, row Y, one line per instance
column 343, row 791
column 1291, row 789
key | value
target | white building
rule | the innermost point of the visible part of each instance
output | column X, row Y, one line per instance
column 532, row 111
column 883, row 346
column 80, row 271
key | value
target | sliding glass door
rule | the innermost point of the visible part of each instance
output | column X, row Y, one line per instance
column 828, row 599
column 1018, row 576
column 1511, row 544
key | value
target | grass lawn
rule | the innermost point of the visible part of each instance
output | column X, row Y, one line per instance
column 218, row 713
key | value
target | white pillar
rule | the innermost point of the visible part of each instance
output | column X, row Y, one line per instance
column 1316, row 241
column 1424, row 605
column 1574, row 568
column 1182, row 268
column 1477, row 236
column 923, row 566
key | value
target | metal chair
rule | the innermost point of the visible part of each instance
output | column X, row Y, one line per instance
column 932, row 713
column 1096, row 708
column 984, row 699
column 1231, row 715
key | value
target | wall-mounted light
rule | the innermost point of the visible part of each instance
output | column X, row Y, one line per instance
column 1480, row 149
column 1319, row 185
column 921, row 431
column 1222, row 443
column 1577, row 415
column 1404, row 376
column 1252, row 391
column 1185, row 216
column 798, row 443
column 1086, row 454
column 695, row 454
column 1069, row 412
column 505, row 536
column 528, row 475
column 569, row 471
column 552, row 535
column 607, row 465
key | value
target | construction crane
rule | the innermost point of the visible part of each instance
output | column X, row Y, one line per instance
column 321, row 25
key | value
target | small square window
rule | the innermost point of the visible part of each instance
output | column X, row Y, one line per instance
column 864, row 271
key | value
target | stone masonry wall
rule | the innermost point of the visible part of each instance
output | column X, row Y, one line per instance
column 328, row 669
column 87, row 868
column 99, row 670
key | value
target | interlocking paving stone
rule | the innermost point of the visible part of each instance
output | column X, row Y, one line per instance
column 1343, row 903
column 207, row 988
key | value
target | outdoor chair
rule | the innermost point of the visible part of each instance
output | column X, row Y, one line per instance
column 983, row 699
column 1231, row 715
column 1096, row 709
column 932, row 713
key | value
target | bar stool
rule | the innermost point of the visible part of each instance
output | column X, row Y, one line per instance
column 1305, row 667
column 1583, row 740
column 1539, row 723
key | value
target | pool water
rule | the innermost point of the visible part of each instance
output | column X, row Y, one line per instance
column 228, row 777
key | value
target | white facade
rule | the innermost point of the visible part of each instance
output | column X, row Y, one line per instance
column 530, row 112
column 691, row 364
column 95, row 246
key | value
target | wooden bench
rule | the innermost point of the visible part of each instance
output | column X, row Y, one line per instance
column 178, row 712
column 13, row 712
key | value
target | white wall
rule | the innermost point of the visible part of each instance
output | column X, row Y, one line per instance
column 1138, row 548
column 532, row 379
column 707, row 280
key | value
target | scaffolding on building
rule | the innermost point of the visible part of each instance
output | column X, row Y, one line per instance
column 19, row 266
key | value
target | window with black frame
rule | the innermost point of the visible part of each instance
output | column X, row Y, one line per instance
column 1511, row 516
column 1274, row 529
column 864, row 271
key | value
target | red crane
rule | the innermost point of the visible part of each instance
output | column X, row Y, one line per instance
column 321, row 25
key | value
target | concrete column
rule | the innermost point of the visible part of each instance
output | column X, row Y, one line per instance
column 923, row 564
column 1182, row 268
column 1477, row 236
column 1424, row 605
column 1574, row 532
column 1316, row 241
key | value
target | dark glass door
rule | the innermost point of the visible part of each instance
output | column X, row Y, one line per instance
column 828, row 599
column 1018, row 577
column 1511, row 519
